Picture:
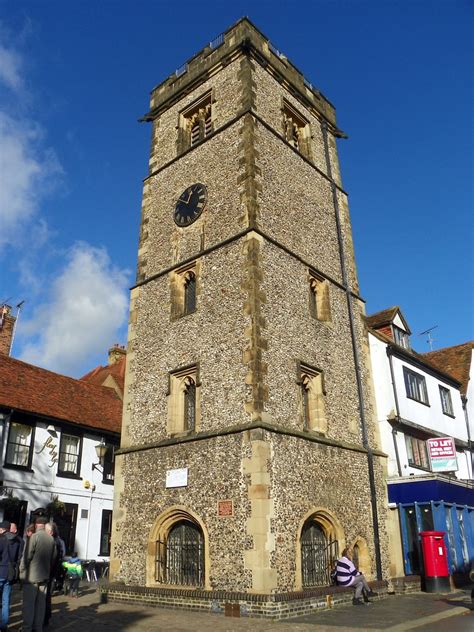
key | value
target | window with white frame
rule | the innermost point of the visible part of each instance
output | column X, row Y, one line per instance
column 415, row 384
column 446, row 403
column 19, row 445
column 69, row 455
column 105, row 532
column 401, row 337
column 417, row 452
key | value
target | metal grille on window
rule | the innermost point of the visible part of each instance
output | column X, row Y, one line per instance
column 190, row 405
column 190, row 293
column 318, row 556
column 181, row 561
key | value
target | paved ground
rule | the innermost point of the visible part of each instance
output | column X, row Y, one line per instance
column 420, row 611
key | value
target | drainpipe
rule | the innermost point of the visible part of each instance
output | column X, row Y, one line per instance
column 89, row 520
column 397, row 410
column 355, row 351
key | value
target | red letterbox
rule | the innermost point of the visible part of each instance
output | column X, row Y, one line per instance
column 435, row 558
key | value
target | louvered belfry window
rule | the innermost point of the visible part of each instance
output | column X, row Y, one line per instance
column 196, row 122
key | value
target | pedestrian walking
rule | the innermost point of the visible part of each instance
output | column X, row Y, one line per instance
column 57, row 571
column 35, row 570
column 348, row 575
column 29, row 530
column 73, row 568
column 9, row 557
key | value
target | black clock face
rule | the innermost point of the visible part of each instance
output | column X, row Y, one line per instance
column 190, row 204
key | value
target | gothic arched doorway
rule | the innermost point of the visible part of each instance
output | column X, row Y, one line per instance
column 180, row 558
column 318, row 554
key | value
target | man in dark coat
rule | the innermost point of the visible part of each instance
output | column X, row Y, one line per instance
column 9, row 555
column 35, row 570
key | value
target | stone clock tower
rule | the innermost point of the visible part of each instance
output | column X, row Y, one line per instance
column 248, row 456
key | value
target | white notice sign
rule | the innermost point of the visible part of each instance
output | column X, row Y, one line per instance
column 177, row 478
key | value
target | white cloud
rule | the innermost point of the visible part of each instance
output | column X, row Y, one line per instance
column 27, row 172
column 87, row 305
column 10, row 66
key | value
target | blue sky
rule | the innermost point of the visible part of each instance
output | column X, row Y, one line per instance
column 75, row 77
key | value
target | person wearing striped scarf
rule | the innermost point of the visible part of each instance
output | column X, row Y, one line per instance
column 348, row 575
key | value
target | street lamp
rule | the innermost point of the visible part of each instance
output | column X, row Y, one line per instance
column 101, row 450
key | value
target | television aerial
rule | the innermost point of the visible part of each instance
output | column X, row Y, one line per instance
column 429, row 337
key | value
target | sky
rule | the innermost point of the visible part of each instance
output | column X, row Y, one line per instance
column 75, row 77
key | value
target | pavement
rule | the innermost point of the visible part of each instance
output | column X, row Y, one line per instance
column 394, row 613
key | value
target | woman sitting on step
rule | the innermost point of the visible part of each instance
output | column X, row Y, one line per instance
column 348, row 575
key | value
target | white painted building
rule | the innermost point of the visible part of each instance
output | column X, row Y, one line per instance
column 418, row 403
column 459, row 361
column 50, row 427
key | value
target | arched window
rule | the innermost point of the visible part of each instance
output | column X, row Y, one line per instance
column 184, row 400
column 313, row 398
column 318, row 555
column 196, row 123
column 189, row 293
column 190, row 404
column 180, row 558
column 305, row 384
column 319, row 305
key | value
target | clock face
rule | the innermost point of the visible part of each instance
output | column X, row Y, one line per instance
column 190, row 204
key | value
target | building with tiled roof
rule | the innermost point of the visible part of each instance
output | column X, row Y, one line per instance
column 53, row 428
column 422, row 423
column 113, row 374
column 456, row 360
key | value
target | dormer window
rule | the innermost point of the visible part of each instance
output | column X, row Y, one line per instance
column 401, row 337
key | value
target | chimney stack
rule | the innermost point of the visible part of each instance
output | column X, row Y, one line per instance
column 7, row 326
column 116, row 353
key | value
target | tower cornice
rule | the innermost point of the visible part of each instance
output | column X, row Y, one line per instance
column 243, row 38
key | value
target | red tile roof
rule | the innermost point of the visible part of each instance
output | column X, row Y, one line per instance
column 386, row 317
column 417, row 357
column 101, row 373
column 382, row 318
column 32, row 389
column 455, row 360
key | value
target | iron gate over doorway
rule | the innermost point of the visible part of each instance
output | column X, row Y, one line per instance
column 180, row 561
column 318, row 556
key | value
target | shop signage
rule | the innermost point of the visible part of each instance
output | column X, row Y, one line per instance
column 51, row 447
column 442, row 453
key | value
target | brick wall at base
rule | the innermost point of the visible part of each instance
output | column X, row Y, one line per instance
column 278, row 606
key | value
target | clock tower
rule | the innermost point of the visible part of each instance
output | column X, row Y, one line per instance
column 249, row 453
